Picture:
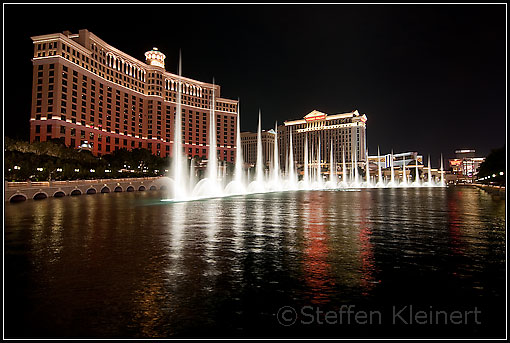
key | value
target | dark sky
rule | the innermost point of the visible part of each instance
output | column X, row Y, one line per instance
column 430, row 78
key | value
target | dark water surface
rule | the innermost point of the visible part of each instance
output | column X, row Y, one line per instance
column 124, row 265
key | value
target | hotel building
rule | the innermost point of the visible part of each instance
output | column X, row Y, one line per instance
column 249, row 147
column 465, row 165
column 398, row 160
column 347, row 132
column 87, row 91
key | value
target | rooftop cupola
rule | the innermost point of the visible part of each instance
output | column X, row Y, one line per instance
column 155, row 58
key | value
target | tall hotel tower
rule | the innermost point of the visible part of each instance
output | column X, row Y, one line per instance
column 86, row 91
column 345, row 133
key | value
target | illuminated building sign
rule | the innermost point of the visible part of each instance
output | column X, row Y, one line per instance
column 316, row 117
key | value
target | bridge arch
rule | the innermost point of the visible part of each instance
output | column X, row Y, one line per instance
column 18, row 197
column 152, row 188
column 76, row 192
column 141, row 188
column 130, row 189
column 91, row 190
column 162, row 188
column 59, row 194
column 118, row 189
column 105, row 189
column 40, row 195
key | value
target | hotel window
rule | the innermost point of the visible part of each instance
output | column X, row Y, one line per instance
column 38, row 129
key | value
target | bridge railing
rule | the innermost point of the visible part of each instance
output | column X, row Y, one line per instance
column 40, row 184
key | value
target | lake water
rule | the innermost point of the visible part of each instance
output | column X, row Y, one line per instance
column 126, row 265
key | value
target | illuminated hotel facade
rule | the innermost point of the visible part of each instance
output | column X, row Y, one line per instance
column 346, row 131
column 85, row 90
column 465, row 165
column 249, row 146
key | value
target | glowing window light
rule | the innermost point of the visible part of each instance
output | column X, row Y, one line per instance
column 501, row 173
column 59, row 169
column 39, row 169
column 493, row 175
column 77, row 170
column 17, row 167
column 92, row 170
column 107, row 171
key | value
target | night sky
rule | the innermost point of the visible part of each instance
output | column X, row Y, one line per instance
column 430, row 78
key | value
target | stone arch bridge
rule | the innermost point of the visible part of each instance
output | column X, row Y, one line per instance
column 20, row 191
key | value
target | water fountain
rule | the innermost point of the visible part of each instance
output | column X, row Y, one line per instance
column 380, row 182
column 416, row 182
column 178, row 170
column 404, row 174
column 332, row 182
column 442, row 184
column 392, row 180
column 292, row 181
column 344, row 169
column 185, row 185
column 367, row 172
column 355, row 173
column 305, row 183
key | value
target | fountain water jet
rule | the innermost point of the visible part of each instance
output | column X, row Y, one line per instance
column 417, row 178
column 367, row 170
column 292, row 174
column 179, row 189
column 186, row 186
column 332, row 168
column 442, row 184
column 392, row 182
column 380, row 183
column 404, row 174
column 259, row 167
column 276, row 166
column 344, row 169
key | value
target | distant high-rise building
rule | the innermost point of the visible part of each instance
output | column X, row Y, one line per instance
column 249, row 146
column 465, row 165
column 346, row 132
column 86, row 90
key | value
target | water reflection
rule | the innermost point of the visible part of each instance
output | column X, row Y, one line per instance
column 128, row 265
column 317, row 271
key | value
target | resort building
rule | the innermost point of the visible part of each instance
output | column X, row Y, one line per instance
column 465, row 165
column 249, row 147
column 397, row 160
column 85, row 90
column 345, row 133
